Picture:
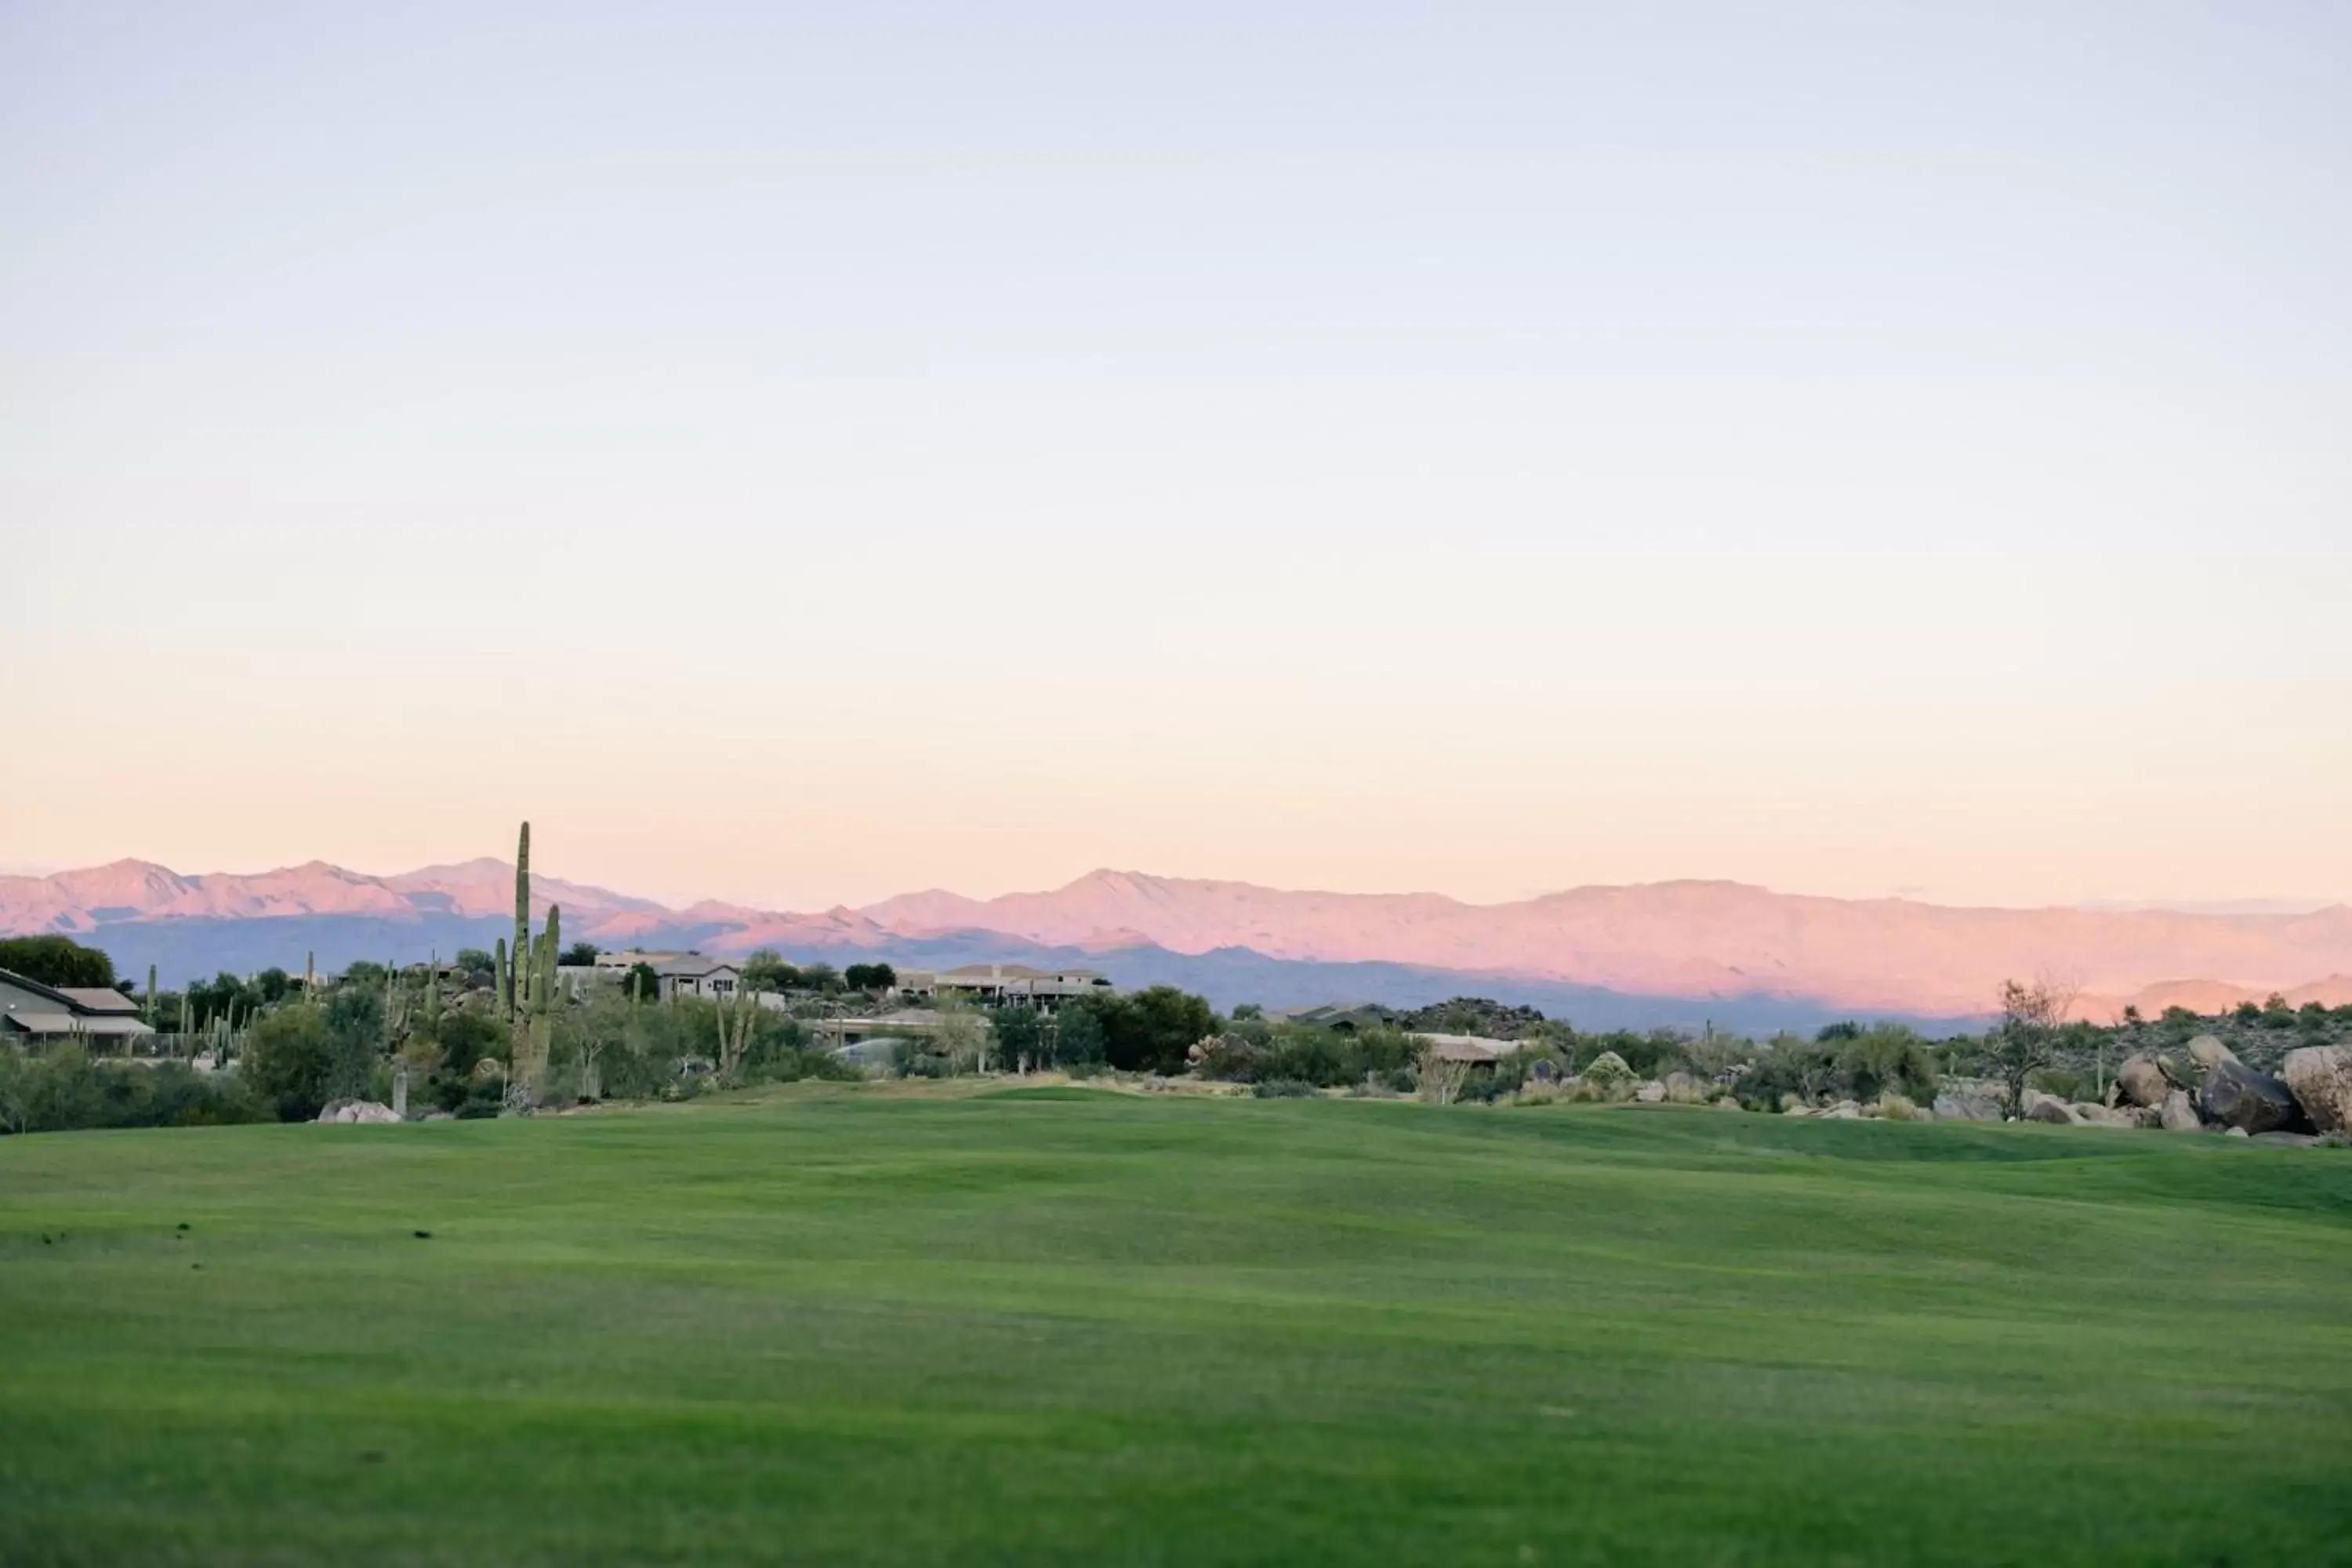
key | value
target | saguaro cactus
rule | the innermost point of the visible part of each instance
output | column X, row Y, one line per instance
column 151, row 996
column 433, row 996
column 523, row 907
column 504, row 984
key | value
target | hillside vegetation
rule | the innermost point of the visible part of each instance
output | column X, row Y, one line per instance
column 919, row 1324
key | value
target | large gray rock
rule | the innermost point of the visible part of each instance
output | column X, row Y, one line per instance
column 2039, row 1107
column 1967, row 1105
column 1651, row 1093
column 2235, row 1094
column 2208, row 1051
column 2139, row 1082
column 2320, row 1078
column 2179, row 1116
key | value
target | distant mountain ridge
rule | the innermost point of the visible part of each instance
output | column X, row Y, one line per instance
column 1685, row 941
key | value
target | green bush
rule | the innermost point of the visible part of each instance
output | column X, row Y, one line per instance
column 290, row 1056
column 63, row 1091
column 54, row 960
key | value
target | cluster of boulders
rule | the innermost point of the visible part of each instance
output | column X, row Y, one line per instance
column 347, row 1111
column 2214, row 1091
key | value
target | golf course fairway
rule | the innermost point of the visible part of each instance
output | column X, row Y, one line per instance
column 838, row 1324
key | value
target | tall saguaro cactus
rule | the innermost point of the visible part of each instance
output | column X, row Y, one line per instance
column 523, row 914
column 151, row 996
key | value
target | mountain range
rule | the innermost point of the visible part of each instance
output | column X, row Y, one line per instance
column 1739, row 956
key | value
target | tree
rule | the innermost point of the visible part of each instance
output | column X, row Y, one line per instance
column 641, row 984
column 766, row 970
column 869, row 977
column 580, row 955
column 56, row 960
column 1019, row 1035
column 2021, row 1043
column 1153, row 1030
column 287, row 1058
column 476, row 960
column 820, row 977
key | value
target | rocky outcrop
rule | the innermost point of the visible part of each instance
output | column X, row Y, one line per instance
column 2139, row 1082
column 1967, row 1105
column 2320, row 1078
column 2236, row 1096
column 1651, row 1093
column 2208, row 1052
column 2039, row 1107
column 348, row 1111
column 2177, row 1115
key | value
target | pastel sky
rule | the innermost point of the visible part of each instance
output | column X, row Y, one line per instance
column 802, row 452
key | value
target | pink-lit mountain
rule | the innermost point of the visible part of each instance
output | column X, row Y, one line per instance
column 1669, row 939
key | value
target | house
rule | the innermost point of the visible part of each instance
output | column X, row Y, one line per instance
column 32, row 1011
column 1005, row 984
column 695, row 975
column 621, row 963
column 1472, row 1050
column 906, row 1023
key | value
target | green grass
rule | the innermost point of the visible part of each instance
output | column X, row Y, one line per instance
column 857, row 1326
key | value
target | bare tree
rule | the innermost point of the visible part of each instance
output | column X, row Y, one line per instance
column 1440, row 1079
column 2024, row 1041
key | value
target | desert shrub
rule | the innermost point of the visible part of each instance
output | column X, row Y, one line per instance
column 1229, row 1057
column 466, row 1038
column 2066, row 1083
column 1484, row 1088
column 1281, row 1089
column 1609, row 1067
column 1887, row 1056
column 1897, row 1108
column 63, row 1091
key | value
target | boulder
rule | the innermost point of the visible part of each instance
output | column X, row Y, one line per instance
column 2235, row 1094
column 1966, row 1105
column 2320, row 1076
column 2292, row 1140
column 1651, row 1093
column 2139, row 1082
column 347, row 1112
column 2039, row 1107
column 2208, row 1051
column 2237, row 1132
column 2177, row 1115
column 2089, row 1115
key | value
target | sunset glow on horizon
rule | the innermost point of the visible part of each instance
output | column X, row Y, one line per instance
column 1374, row 448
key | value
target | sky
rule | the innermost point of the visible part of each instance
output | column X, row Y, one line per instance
column 797, row 454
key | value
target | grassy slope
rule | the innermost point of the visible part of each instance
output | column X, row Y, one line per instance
column 852, row 1327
